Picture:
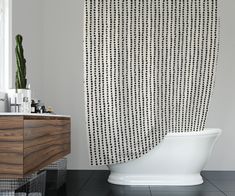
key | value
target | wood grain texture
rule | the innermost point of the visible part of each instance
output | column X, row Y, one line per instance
column 45, row 141
column 32, row 117
column 29, row 143
column 11, row 146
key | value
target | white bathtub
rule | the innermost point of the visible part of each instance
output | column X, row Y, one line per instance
column 177, row 160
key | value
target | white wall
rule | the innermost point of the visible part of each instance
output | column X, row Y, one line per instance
column 63, row 70
column 60, row 83
column 27, row 21
column 223, row 102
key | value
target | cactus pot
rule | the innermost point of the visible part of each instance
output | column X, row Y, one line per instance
column 20, row 100
column 3, row 102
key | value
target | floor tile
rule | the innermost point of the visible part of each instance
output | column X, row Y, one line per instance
column 206, row 186
column 78, row 175
column 98, row 185
column 94, row 193
column 187, row 193
column 225, row 185
column 101, row 173
column 94, row 183
column 132, row 190
column 230, row 193
column 110, row 192
column 76, row 179
column 60, row 192
column 98, row 182
column 219, row 175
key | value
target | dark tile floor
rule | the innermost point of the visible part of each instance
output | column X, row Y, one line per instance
column 94, row 183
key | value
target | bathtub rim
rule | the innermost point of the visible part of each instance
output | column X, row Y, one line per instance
column 205, row 132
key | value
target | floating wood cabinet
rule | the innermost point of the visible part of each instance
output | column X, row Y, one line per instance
column 28, row 143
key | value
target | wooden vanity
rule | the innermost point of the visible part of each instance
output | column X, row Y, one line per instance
column 28, row 143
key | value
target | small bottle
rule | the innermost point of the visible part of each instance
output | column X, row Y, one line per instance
column 43, row 109
column 38, row 106
column 33, row 106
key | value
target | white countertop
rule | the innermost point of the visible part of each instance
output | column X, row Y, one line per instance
column 32, row 114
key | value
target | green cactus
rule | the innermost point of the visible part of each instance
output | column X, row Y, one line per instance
column 21, row 81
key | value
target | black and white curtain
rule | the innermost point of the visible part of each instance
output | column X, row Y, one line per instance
column 149, row 70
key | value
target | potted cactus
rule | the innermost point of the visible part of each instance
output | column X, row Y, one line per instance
column 21, row 95
column 20, row 80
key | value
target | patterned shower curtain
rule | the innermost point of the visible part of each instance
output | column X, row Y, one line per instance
column 149, row 70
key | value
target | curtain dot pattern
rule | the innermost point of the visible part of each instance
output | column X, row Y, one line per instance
column 149, row 70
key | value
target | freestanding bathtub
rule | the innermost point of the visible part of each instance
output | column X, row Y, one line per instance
column 177, row 160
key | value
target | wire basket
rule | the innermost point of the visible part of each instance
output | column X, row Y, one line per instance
column 33, row 185
column 56, row 174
